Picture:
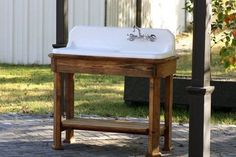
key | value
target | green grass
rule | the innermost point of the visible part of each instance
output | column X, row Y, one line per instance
column 184, row 65
column 25, row 89
column 29, row 89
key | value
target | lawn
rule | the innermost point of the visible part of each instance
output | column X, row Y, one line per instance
column 184, row 63
column 29, row 89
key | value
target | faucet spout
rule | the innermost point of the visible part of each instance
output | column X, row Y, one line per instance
column 139, row 31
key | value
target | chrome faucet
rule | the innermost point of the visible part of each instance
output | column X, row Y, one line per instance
column 139, row 31
column 132, row 37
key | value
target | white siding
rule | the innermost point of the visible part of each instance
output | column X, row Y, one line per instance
column 35, row 36
column 28, row 27
column 6, row 31
column 121, row 13
column 27, row 31
column 86, row 12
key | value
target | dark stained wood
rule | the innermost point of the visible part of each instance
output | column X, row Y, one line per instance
column 200, row 100
column 69, row 100
column 154, row 117
column 57, row 112
column 61, row 23
column 168, row 112
column 201, row 43
column 121, row 126
column 139, row 13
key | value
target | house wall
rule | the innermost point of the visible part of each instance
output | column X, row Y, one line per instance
column 27, row 30
column 86, row 12
column 121, row 13
column 28, row 27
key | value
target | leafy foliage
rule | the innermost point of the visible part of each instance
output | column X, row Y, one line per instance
column 223, row 23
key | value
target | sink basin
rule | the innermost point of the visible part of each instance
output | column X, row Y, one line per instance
column 112, row 42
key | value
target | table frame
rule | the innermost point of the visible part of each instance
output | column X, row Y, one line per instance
column 154, row 69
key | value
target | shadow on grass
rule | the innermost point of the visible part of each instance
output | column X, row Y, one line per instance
column 36, row 78
column 21, row 96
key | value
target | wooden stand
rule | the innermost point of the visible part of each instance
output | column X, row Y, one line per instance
column 153, row 69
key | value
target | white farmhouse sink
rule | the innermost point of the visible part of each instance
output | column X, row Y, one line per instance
column 112, row 42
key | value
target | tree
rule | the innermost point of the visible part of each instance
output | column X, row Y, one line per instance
column 223, row 29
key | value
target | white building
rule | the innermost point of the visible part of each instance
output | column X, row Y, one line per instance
column 28, row 27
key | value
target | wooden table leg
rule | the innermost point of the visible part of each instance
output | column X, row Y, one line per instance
column 154, row 118
column 57, row 111
column 168, row 112
column 69, row 100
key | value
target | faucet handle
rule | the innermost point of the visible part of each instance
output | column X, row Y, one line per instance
column 131, row 37
column 152, row 37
